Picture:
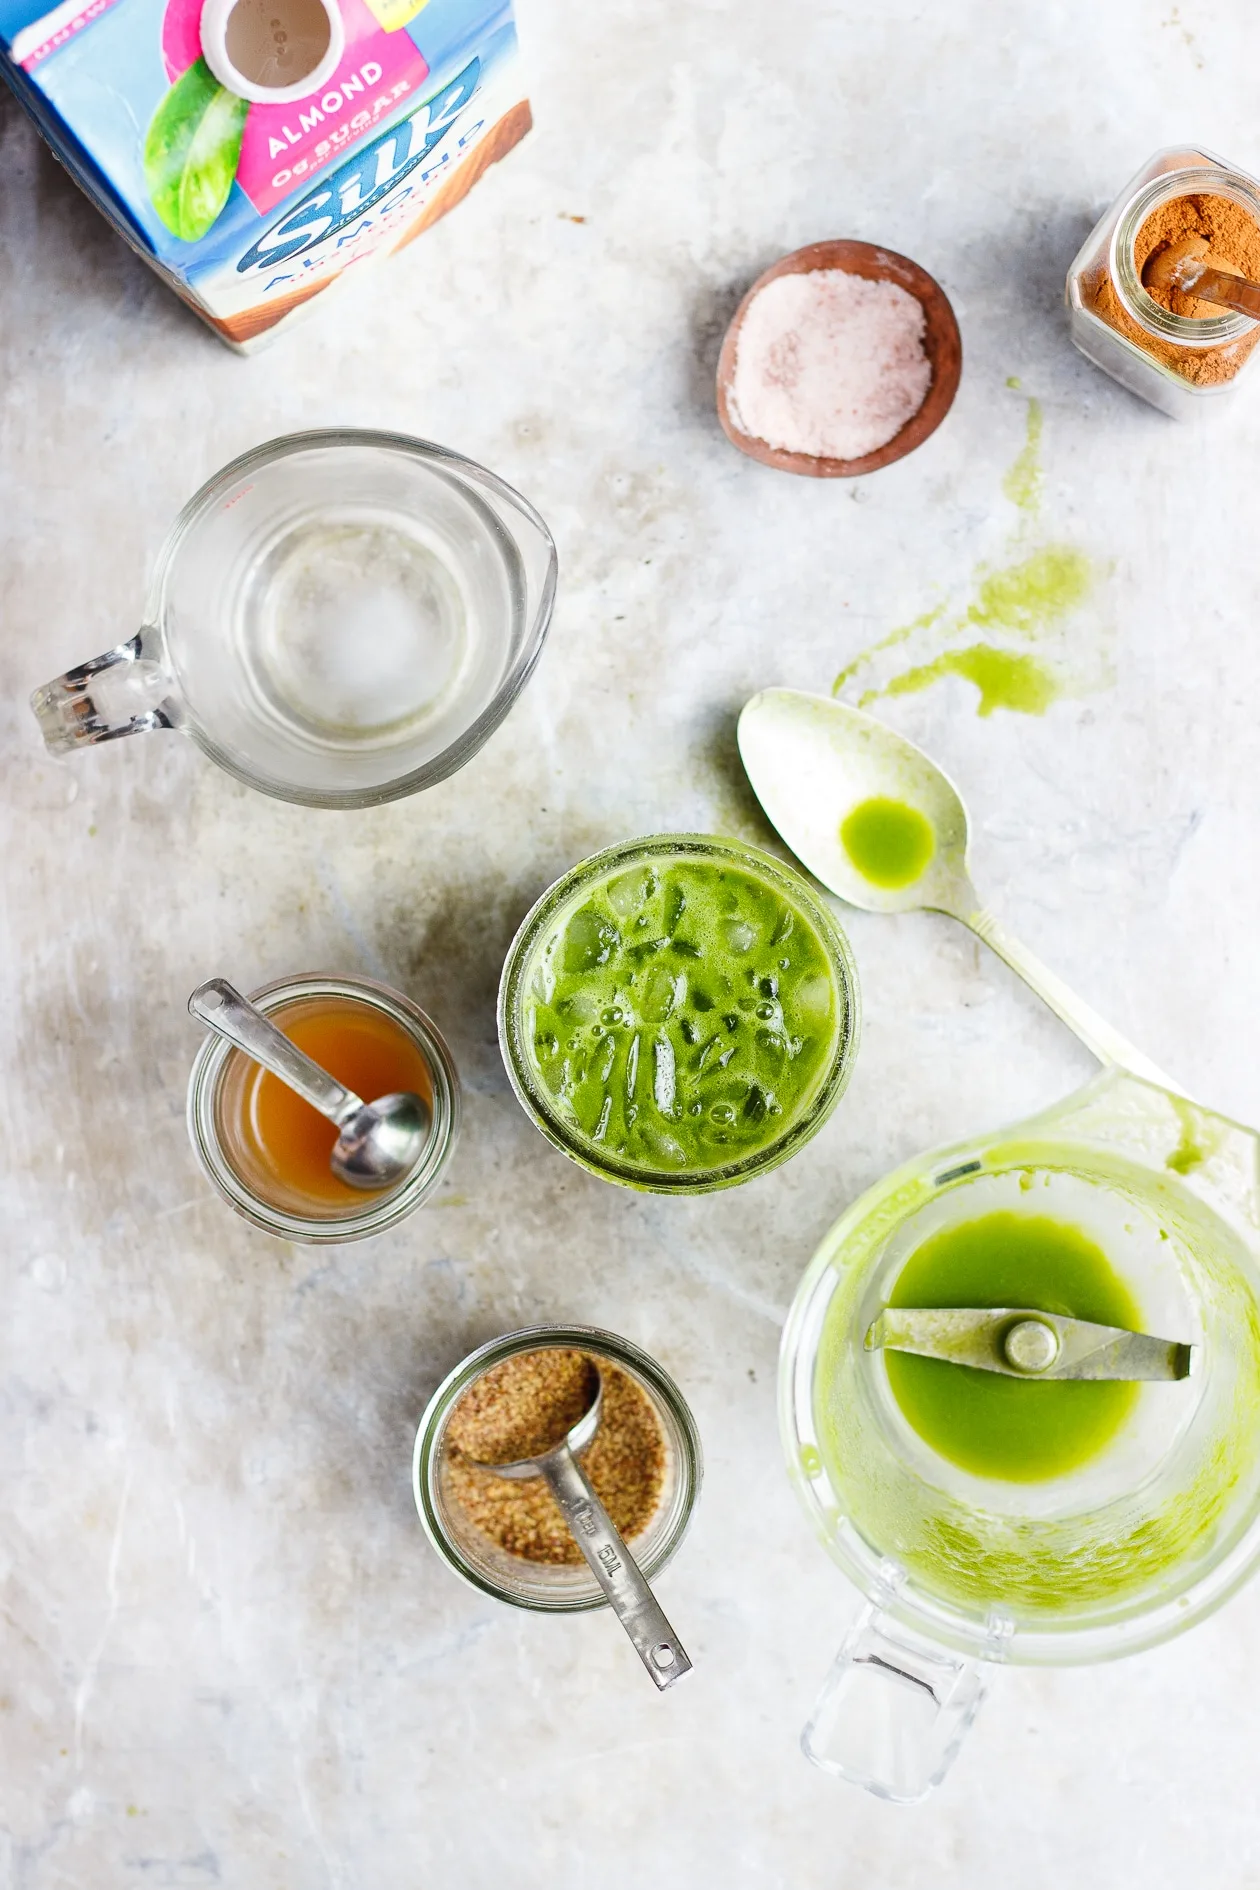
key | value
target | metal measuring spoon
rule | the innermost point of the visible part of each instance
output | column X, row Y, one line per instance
column 1189, row 265
column 611, row 1562
column 812, row 761
column 378, row 1143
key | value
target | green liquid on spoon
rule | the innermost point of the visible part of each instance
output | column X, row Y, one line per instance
column 890, row 843
column 994, row 1426
column 683, row 1016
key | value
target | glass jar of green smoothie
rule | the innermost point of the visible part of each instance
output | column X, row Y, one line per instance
column 679, row 1013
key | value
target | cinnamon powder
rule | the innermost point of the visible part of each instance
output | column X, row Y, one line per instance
column 1234, row 240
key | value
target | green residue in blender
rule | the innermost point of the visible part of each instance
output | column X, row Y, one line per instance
column 890, row 843
column 1016, row 1429
column 685, row 1015
column 1186, row 1157
column 1190, row 1152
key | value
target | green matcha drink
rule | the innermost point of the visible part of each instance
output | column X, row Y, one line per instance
column 1010, row 1427
column 679, row 1013
column 890, row 843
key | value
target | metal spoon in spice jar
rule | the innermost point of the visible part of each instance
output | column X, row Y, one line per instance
column 378, row 1143
column 1189, row 266
column 885, row 829
column 611, row 1563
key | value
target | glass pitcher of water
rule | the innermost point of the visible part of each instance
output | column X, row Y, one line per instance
column 961, row 1571
column 337, row 618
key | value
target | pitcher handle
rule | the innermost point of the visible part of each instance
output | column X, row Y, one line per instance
column 894, row 1710
column 109, row 696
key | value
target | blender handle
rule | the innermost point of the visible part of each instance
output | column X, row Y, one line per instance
column 123, row 692
column 894, row 1710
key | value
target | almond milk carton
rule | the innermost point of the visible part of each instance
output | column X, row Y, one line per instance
column 253, row 151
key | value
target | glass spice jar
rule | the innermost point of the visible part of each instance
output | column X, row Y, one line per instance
column 554, row 1587
column 253, row 1161
column 1176, row 362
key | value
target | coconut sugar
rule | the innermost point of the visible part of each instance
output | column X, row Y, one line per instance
column 525, row 1406
column 830, row 364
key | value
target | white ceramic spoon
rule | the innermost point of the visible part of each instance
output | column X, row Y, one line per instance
column 812, row 761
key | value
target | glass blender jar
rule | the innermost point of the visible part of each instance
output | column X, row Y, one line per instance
column 963, row 1571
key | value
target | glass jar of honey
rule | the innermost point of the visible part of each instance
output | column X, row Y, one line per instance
column 267, row 1151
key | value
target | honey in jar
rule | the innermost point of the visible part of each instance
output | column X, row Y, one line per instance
column 271, row 1150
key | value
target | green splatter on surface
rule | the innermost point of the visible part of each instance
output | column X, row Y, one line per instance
column 1030, row 599
column 1038, row 591
column 1005, row 679
column 1022, row 484
column 902, row 634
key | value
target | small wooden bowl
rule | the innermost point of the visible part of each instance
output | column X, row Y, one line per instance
column 941, row 341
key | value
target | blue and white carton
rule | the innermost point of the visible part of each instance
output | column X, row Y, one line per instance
column 254, row 151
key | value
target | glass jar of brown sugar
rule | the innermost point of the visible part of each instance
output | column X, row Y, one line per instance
column 1171, row 350
column 500, row 1536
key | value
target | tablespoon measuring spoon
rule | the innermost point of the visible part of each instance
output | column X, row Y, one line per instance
column 812, row 761
column 614, row 1568
column 378, row 1143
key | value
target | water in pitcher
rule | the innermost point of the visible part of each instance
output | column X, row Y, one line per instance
column 340, row 621
column 361, row 630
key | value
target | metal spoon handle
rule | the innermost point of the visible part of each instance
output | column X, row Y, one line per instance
column 615, row 1569
column 1226, row 290
column 1094, row 1031
column 221, row 1006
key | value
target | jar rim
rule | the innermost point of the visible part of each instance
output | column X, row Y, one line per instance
column 378, row 1211
column 1185, row 331
column 652, row 1379
column 534, row 1100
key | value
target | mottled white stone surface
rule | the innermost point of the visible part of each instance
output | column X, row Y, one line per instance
column 227, row 1654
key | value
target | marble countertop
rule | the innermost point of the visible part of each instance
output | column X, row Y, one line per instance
column 229, row 1655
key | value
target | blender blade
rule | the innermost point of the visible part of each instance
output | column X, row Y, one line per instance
column 1025, row 1342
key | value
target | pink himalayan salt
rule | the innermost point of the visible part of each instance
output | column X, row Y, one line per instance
column 830, row 364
